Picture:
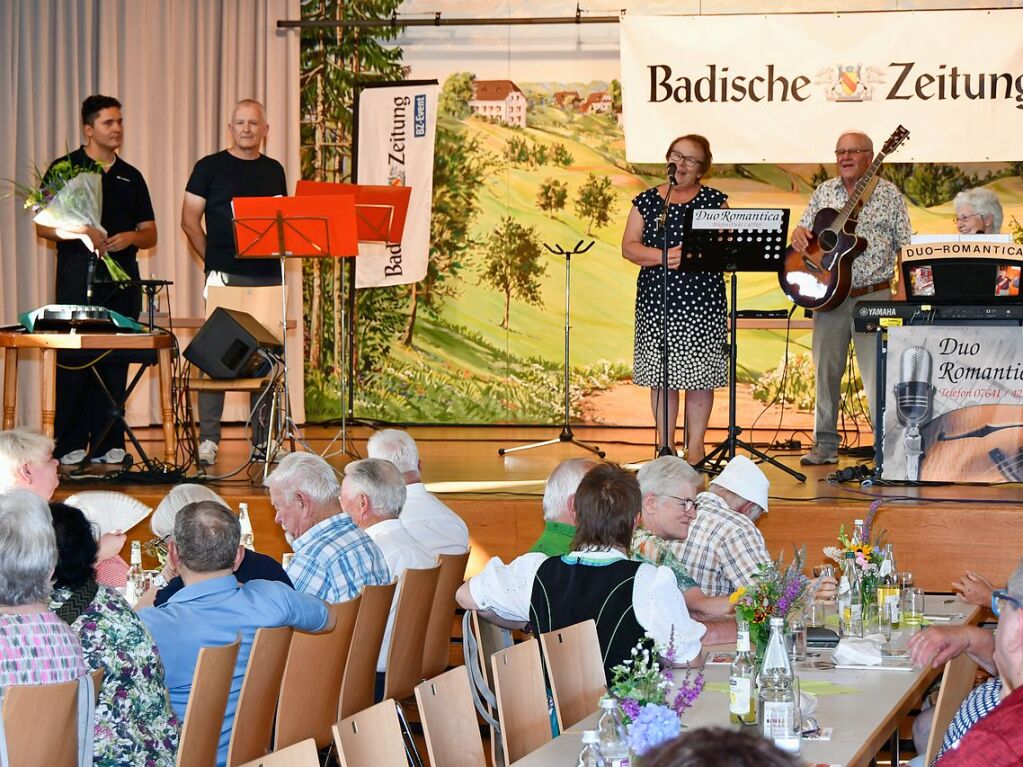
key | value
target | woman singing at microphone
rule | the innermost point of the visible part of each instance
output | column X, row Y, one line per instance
column 695, row 305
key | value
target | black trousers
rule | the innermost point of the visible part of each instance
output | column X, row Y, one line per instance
column 83, row 410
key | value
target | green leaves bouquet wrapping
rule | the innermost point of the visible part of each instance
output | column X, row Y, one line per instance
column 68, row 197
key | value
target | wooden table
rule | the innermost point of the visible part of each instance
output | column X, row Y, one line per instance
column 862, row 722
column 50, row 343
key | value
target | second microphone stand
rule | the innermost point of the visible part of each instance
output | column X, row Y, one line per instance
column 566, row 428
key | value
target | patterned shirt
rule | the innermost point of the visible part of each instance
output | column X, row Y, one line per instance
column 38, row 648
column 979, row 703
column 647, row 547
column 723, row 548
column 883, row 223
column 334, row 559
column 134, row 720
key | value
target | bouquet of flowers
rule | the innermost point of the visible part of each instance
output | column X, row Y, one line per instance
column 642, row 684
column 775, row 591
column 868, row 556
column 71, row 196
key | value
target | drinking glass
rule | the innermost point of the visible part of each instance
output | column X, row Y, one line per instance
column 822, row 570
column 797, row 710
column 905, row 579
column 884, row 623
column 797, row 630
column 912, row 606
column 816, row 614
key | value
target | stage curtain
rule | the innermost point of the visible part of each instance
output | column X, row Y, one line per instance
column 178, row 68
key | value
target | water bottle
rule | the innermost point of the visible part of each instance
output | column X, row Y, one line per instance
column 742, row 697
column 888, row 593
column 778, row 702
column 614, row 744
column 850, row 599
column 248, row 539
column 857, row 533
column 591, row 756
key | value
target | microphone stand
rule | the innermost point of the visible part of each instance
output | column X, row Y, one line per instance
column 663, row 448
column 90, row 278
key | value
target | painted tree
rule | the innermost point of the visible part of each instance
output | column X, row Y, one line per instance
column 615, row 89
column 538, row 154
column 552, row 196
column 513, row 265
column 561, row 156
column 596, row 201
column 455, row 95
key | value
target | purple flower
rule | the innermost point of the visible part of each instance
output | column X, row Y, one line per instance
column 687, row 694
column 630, row 708
column 653, row 726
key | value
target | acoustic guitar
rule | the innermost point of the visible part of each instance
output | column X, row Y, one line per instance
column 820, row 277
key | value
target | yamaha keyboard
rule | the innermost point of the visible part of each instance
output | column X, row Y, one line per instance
column 78, row 318
column 878, row 315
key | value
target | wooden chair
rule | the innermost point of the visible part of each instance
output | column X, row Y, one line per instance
column 480, row 640
column 312, row 679
column 521, row 700
column 371, row 737
column 956, row 682
column 41, row 723
column 437, row 649
column 575, row 670
column 204, row 717
column 449, row 720
column 361, row 668
column 416, row 590
column 257, row 703
column 303, row 754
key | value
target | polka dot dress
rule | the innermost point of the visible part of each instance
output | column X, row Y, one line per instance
column 696, row 307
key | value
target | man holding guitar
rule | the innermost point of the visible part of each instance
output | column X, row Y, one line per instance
column 842, row 213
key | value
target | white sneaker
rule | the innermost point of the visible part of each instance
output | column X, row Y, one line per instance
column 113, row 455
column 73, row 458
column 208, row 452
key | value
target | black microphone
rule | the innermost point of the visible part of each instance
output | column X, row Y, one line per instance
column 89, row 277
column 913, row 400
column 672, row 167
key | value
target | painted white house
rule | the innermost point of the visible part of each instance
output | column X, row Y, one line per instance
column 499, row 99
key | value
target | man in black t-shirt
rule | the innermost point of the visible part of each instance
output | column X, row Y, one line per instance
column 241, row 171
column 128, row 225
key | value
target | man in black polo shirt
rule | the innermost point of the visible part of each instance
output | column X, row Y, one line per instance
column 241, row 171
column 83, row 410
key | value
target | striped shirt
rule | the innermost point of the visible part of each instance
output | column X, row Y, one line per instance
column 334, row 559
column 723, row 548
column 979, row 703
column 38, row 648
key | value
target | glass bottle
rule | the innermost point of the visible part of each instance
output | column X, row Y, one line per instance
column 778, row 702
column 857, row 533
column 135, row 585
column 590, row 756
column 850, row 599
column 888, row 587
column 614, row 743
column 742, row 690
column 248, row 539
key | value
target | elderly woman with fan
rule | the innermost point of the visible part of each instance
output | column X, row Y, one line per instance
column 254, row 566
column 135, row 723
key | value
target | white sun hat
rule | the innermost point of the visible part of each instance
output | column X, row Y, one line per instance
column 745, row 479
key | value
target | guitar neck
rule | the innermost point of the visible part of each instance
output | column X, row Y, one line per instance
column 861, row 185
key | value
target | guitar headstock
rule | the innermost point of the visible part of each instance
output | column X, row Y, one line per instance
column 899, row 135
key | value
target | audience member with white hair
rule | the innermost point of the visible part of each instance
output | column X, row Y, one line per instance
column 27, row 462
column 333, row 558
column 36, row 646
column 254, row 566
column 439, row 529
column 372, row 494
column 559, row 507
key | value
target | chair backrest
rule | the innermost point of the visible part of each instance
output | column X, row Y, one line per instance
column 575, row 670
column 257, row 702
column 449, row 720
column 437, row 649
column 303, row 754
column 312, row 679
column 956, row 682
column 207, row 702
column 408, row 634
column 360, row 670
column 371, row 737
column 41, row 723
column 480, row 640
column 521, row 699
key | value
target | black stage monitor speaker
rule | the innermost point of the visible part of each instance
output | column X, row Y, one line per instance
column 228, row 346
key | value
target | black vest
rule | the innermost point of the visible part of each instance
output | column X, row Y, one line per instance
column 565, row 594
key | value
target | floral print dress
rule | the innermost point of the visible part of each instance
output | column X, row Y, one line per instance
column 38, row 648
column 135, row 724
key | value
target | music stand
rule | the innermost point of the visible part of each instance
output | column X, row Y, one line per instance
column 732, row 240
column 292, row 227
column 380, row 213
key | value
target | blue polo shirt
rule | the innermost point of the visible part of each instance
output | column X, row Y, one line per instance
column 214, row 612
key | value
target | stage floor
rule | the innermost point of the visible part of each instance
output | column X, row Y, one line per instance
column 938, row 530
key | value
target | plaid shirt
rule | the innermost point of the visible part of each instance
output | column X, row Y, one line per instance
column 334, row 559
column 723, row 548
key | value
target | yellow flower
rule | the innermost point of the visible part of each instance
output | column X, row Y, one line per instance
column 736, row 595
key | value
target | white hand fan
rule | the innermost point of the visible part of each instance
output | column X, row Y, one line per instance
column 109, row 510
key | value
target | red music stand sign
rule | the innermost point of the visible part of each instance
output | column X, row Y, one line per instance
column 379, row 210
column 295, row 227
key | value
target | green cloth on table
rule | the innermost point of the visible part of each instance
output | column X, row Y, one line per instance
column 813, row 686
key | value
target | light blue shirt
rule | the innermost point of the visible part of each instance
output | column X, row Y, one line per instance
column 334, row 559
column 213, row 613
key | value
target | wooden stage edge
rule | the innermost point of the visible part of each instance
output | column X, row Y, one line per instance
column 937, row 531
